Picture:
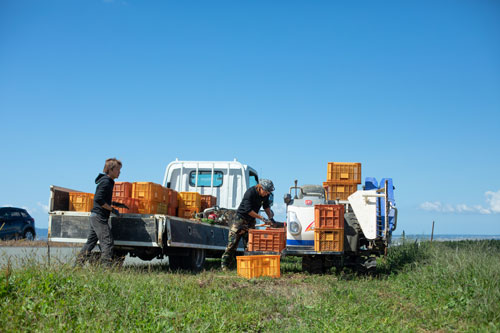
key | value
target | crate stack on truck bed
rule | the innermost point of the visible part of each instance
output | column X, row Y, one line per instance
column 189, row 204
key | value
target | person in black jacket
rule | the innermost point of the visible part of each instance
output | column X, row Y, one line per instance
column 99, row 228
column 254, row 198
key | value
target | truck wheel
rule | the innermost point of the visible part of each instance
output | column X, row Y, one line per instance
column 196, row 259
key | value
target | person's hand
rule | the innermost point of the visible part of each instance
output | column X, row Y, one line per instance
column 266, row 221
column 115, row 211
column 120, row 205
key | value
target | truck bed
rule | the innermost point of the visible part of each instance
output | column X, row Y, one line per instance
column 142, row 230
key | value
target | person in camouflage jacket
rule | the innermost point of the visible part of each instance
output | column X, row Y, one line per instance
column 254, row 198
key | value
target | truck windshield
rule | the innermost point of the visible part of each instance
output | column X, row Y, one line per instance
column 204, row 178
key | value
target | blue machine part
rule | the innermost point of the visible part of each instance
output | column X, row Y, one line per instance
column 380, row 207
column 299, row 242
column 371, row 183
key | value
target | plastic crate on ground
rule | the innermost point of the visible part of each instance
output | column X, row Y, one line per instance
column 81, row 202
column 268, row 240
column 329, row 216
column 189, row 200
column 344, row 173
column 329, row 240
column 147, row 191
column 122, row 190
column 131, row 204
column 339, row 191
column 208, row 201
column 256, row 266
column 151, row 207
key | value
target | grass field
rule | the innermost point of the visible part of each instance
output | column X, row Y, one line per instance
column 447, row 286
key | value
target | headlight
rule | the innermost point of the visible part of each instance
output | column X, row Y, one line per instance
column 294, row 228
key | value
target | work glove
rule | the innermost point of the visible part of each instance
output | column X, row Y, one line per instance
column 115, row 212
column 120, row 205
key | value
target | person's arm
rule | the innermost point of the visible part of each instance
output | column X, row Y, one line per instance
column 255, row 215
column 269, row 212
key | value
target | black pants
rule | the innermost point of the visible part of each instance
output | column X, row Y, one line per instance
column 99, row 231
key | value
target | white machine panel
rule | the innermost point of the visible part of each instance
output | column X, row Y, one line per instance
column 305, row 217
column 364, row 204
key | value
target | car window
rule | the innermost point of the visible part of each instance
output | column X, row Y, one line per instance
column 15, row 214
column 25, row 215
column 4, row 213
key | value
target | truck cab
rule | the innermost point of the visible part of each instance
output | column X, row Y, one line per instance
column 226, row 180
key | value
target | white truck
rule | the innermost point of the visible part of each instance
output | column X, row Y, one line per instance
column 186, row 242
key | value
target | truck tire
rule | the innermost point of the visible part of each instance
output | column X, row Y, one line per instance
column 194, row 261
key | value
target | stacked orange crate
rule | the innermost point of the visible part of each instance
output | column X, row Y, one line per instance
column 329, row 228
column 173, row 202
column 150, row 198
column 189, row 204
column 268, row 240
column 342, row 180
column 208, row 201
column 81, row 202
column 122, row 193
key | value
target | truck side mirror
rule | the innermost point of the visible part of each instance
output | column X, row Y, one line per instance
column 287, row 198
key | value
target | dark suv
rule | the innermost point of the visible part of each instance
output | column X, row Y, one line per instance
column 16, row 223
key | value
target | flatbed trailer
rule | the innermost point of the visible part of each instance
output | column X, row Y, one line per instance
column 186, row 242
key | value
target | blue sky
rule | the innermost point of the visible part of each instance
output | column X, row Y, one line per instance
column 411, row 89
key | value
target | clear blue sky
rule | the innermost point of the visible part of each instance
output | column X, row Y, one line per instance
column 411, row 89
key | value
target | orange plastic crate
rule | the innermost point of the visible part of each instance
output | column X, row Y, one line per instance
column 189, row 200
column 208, row 201
column 329, row 240
column 81, row 202
column 147, row 191
column 122, row 190
column 172, row 211
column 173, row 199
column 269, row 240
column 344, row 173
column 130, row 202
column 151, row 207
column 329, row 216
column 256, row 266
column 188, row 213
column 339, row 191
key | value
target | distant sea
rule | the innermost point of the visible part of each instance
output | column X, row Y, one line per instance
column 41, row 234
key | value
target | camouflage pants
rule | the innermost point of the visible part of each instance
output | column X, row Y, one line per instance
column 239, row 229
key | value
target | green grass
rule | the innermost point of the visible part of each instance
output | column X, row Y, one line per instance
column 449, row 286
